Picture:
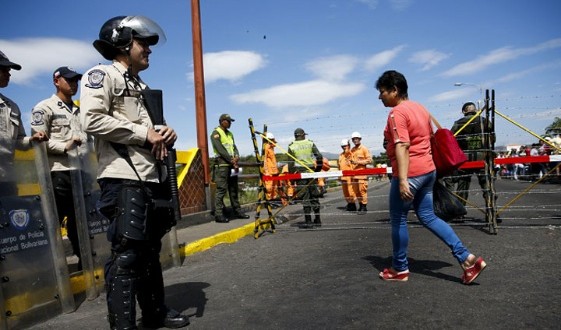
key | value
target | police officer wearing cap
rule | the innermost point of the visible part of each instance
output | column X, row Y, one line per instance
column 225, row 168
column 308, row 158
column 12, row 132
column 59, row 117
column 130, row 150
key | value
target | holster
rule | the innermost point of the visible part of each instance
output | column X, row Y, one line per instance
column 162, row 213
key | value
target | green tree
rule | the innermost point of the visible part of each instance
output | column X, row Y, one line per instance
column 555, row 127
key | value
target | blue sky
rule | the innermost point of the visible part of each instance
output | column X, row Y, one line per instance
column 311, row 63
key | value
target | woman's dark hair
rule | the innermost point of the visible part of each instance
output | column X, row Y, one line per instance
column 390, row 79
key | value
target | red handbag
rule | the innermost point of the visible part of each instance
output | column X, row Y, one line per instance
column 446, row 152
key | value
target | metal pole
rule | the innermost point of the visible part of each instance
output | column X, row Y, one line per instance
column 493, row 193
column 202, row 139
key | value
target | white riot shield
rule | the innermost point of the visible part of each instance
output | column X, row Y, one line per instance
column 35, row 282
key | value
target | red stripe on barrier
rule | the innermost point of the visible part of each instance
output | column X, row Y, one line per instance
column 377, row 171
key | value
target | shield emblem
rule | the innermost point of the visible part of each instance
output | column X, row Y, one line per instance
column 20, row 218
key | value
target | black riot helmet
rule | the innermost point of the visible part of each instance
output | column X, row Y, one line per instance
column 117, row 33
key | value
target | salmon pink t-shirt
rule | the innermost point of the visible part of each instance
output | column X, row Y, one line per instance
column 409, row 122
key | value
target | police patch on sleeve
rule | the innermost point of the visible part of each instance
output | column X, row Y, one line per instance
column 95, row 78
column 37, row 118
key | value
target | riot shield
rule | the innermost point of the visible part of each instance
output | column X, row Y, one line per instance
column 35, row 282
column 85, row 193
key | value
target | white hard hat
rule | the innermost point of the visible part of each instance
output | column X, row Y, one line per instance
column 356, row 135
column 270, row 136
column 344, row 142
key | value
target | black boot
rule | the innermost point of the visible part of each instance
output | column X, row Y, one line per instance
column 351, row 207
column 221, row 219
column 307, row 220
column 172, row 320
column 362, row 209
column 317, row 220
column 239, row 214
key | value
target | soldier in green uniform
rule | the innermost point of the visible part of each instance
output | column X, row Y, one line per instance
column 225, row 169
column 309, row 157
column 471, row 140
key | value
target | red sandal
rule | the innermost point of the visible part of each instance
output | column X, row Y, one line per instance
column 471, row 273
column 389, row 274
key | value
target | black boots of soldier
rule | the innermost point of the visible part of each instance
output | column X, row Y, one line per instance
column 237, row 214
column 317, row 221
column 351, row 207
column 308, row 219
column 221, row 219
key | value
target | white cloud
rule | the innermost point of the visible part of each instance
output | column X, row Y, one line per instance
column 428, row 58
column 372, row 4
column 520, row 74
column 231, row 65
column 499, row 55
column 333, row 68
column 315, row 92
column 400, row 5
column 382, row 59
column 43, row 55
column 460, row 93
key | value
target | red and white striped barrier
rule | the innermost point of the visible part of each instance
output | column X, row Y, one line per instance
column 388, row 170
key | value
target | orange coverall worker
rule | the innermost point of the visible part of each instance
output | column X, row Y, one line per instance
column 344, row 163
column 270, row 168
column 361, row 158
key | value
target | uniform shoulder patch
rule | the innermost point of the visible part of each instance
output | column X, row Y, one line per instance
column 216, row 136
column 95, row 78
column 37, row 117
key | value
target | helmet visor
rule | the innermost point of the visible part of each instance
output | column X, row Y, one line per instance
column 144, row 28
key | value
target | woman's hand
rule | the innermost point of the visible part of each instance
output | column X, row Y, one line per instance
column 404, row 190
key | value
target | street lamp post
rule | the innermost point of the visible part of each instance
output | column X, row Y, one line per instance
column 479, row 87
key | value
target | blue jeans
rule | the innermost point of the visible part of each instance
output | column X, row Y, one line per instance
column 421, row 188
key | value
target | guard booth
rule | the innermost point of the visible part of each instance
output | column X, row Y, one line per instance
column 34, row 275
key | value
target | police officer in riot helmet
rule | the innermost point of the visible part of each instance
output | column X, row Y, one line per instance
column 130, row 150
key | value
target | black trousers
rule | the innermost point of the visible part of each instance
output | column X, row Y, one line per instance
column 133, row 272
column 62, row 186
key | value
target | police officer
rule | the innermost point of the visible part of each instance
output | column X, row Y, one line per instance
column 130, row 151
column 12, row 132
column 308, row 158
column 60, row 118
column 225, row 169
